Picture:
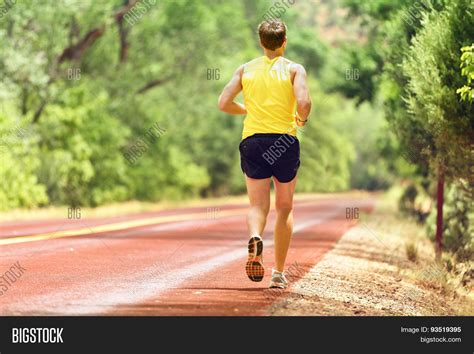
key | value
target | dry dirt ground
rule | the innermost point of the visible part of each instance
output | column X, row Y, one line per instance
column 368, row 274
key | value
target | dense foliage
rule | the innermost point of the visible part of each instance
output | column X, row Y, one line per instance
column 425, row 83
column 86, row 80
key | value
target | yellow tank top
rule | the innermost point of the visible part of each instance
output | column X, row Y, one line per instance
column 268, row 96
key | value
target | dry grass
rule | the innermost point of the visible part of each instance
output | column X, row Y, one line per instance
column 369, row 272
column 411, row 250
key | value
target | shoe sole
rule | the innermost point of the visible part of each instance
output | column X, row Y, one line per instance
column 277, row 286
column 254, row 266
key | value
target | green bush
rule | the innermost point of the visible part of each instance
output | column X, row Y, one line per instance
column 81, row 160
column 19, row 187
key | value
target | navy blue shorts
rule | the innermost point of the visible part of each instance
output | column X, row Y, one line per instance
column 266, row 155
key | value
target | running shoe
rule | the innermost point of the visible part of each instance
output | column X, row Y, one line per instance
column 254, row 267
column 278, row 280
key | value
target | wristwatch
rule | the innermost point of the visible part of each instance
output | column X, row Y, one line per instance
column 300, row 120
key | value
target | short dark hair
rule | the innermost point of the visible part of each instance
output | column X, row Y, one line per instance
column 272, row 34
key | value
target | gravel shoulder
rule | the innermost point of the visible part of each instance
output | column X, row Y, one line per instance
column 368, row 274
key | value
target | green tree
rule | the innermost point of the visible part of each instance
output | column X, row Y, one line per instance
column 431, row 67
column 467, row 69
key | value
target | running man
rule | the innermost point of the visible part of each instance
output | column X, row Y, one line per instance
column 276, row 100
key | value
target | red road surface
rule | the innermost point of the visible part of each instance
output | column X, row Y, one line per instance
column 183, row 267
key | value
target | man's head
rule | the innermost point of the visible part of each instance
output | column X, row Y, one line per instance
column 272, row 34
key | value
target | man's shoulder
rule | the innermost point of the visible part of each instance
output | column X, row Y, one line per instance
column 253, row 62
column 294, row 66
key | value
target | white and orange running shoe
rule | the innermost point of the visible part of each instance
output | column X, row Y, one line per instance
column 254, row 266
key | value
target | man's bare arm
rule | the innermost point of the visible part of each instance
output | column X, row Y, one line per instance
column 301, row 91
column 231, row 90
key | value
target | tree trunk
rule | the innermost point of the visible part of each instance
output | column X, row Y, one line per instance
column 439, row 216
